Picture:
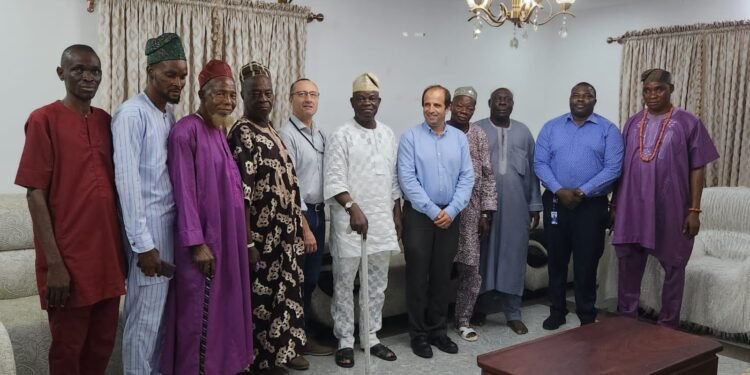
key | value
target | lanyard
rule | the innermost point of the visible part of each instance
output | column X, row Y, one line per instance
column 309, row 140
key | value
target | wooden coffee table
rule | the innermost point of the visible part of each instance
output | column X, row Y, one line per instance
column 612, row 346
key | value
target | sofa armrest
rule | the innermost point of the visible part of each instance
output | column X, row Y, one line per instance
column 7, row 363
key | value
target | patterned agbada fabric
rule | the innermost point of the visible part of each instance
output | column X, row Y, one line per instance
column 483, row 197
column 271, row 190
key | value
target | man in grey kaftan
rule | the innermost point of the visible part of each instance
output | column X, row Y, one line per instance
column 503, row 260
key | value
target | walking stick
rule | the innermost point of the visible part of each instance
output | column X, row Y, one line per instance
column 364, row 313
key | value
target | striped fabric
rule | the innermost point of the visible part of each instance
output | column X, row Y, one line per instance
column 142, row 331
column 139, row 134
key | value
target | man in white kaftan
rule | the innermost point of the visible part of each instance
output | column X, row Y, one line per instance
column 360, row 180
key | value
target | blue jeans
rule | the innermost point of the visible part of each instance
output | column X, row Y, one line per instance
column 317, row 222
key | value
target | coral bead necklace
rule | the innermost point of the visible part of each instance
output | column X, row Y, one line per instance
column 659, row 139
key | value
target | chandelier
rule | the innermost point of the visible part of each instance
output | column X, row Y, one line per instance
column 521, row 13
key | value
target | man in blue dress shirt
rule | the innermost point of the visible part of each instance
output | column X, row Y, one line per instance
column 578, row 158
column 436, row 177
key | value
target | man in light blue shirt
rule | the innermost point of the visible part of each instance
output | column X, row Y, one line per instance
column 306, row 143
column 578, row 158
column 140, row 128
column 436, row 176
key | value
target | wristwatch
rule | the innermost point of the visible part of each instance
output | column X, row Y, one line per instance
column 348, row 205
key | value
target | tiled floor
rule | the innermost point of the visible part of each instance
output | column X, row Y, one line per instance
column 493, row 335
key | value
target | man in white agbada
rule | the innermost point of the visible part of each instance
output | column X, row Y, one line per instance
column 360, row 175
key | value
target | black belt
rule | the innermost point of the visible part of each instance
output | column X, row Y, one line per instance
column 586, row 198
column 315, row 207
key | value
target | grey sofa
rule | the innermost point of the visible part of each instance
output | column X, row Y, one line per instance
column 20, row 312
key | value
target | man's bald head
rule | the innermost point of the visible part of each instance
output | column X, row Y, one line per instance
column 81, row 70
column 503, row 90
column 67, row 54
column 501, row 106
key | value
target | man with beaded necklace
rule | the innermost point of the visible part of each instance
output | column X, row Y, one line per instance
column 657, row 203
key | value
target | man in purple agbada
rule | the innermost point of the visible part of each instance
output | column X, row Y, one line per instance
column 657, row 203
column 208, row 314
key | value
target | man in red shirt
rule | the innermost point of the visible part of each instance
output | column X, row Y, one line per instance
column 67, row 169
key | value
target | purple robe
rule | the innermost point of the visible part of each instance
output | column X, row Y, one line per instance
column 653, row 198
column 208, row 322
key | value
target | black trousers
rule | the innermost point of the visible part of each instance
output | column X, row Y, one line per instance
column 429, row 253
column 579, row 232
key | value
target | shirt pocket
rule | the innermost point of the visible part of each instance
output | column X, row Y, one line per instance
column 520, row 161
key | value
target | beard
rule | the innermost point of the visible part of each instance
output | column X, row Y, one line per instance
column 173, row 100
column 221, row 121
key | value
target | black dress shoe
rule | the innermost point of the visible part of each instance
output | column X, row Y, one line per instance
column 444, row 343
column 553, row 322
column 421, row 347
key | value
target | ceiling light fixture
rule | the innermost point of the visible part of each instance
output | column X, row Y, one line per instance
column 521, row 13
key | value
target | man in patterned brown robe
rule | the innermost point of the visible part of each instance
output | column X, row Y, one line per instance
column 477, row 216
column 274, row 218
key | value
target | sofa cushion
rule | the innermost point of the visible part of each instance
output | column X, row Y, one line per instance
column 7, row 363
column 18, row 278
column 28, row 328
column 726, row 245
column 726, row 208
column 29, row 334
column 15, row 222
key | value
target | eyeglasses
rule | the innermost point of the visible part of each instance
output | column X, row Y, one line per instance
column 305, row 94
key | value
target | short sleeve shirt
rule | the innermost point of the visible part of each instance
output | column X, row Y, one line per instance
column 69, row 155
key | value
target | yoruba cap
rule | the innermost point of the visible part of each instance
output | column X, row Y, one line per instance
column 656, row 75
column 366, row 82
column 254, row 69
column 164, row 47
column 466, row 91
column 214, row 69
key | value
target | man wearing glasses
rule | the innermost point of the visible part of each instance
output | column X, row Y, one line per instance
column 306, row 143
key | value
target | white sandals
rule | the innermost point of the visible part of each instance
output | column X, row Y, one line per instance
column 468, row 333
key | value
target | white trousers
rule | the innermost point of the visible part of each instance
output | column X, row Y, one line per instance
column 342, row 307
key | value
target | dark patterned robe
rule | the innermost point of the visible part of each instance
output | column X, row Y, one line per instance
column 271, row 192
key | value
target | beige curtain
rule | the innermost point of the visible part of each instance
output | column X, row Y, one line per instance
column 236, row 31
column 710, row 65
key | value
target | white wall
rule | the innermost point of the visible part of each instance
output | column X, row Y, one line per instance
column 365, row 35
column 360, row 35
column 33, row 34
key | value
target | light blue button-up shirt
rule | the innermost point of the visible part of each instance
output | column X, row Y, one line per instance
column 586, row 157
column 435, row 170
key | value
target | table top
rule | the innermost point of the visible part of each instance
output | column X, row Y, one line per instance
column 612, row 346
